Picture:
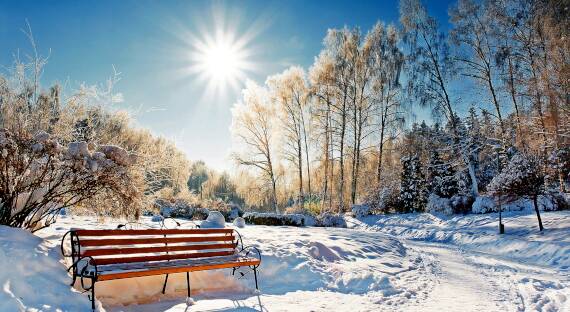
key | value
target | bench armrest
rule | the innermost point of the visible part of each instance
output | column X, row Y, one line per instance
column 251, row 251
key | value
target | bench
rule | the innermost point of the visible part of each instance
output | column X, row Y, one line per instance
column 103, row 255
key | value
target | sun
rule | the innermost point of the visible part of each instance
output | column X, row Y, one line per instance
column 221, row 60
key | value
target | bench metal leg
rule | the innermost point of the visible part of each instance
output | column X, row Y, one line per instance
column 255, row 276
column 164, row 286
column 188, row 282
column 93, row 294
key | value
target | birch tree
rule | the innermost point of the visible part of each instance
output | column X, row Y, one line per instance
column 430, row 68
column 253, row 125
column 289, row 90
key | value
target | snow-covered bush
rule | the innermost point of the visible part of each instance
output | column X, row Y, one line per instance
column 200, row 213
column 438, row 204
column 215, row 220
column 383, row 199
column 523, row 176
column 360, row 211
column 229, row 211
column 40, row 177
column 261, row 218
column 331, row 220
column 239, row 222
column 548, row 202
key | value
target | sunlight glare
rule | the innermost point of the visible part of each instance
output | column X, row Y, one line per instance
column 221, row 61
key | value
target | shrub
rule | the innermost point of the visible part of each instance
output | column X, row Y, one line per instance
column 274, row 219
column 41, row 177
column 523, row 176
column 331, row 220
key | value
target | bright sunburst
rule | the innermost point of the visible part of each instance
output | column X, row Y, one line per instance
column 221, row 61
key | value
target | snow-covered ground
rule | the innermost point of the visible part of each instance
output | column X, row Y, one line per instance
column 415, row 262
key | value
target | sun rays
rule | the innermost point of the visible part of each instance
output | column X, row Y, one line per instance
column 221, row 54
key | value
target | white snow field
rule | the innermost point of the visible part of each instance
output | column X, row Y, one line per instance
column 415, row 262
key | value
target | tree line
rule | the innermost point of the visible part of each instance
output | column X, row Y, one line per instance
column 344, row 131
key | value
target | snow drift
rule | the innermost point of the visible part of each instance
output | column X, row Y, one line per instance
column 293, row 260
column 32, row 278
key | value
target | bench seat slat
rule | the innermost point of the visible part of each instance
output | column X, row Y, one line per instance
column 140, row 241
column 106, row 261
column 151, row 232
column 142, row 250
column 178, row 268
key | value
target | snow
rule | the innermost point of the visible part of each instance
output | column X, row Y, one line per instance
column 360, row 211
column 31, row 277
column 116, row 153
column 484, row 204
column 215, row 220
column 331, row 220
column 438, row 204
column 522, row 241
column 411, row 262
column 239, row 222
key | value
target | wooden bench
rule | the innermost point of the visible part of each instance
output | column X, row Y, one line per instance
column 102, row 255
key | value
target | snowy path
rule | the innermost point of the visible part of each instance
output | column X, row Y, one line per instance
column 471, row 281
column 459, row 286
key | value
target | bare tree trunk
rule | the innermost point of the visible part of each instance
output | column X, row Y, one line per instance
column 306, row 154
column 381, row 148
column 497, row 105
column 326, row 150
column 512, row 92
column 331, row 159
column 300, row 164
column 341, row 169
column 354, row 150
column 535, row 201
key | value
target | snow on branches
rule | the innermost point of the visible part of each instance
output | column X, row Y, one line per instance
column 39, row 177
column 523, row 176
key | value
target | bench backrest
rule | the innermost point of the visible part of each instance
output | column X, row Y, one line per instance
column 129, row 246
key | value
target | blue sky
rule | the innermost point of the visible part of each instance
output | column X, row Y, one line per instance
column 149, row 43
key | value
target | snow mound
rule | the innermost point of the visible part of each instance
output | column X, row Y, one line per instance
column 360, row 211
column 215, row 220
column 295, row 260
column 157, row 218
column 31, row 277
column 239, row 222
column 321, row 252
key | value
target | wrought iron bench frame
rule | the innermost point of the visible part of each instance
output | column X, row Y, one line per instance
column 85, row 267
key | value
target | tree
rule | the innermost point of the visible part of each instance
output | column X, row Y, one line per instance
column 340, row 45
column 198, row 176
column 322, row 86
column 290, row 91
column 412, row 185
column 387, row 63
column 523, row 176
column 430, row 67
column 441, row 176
column 252, row 123
column 473, row 29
